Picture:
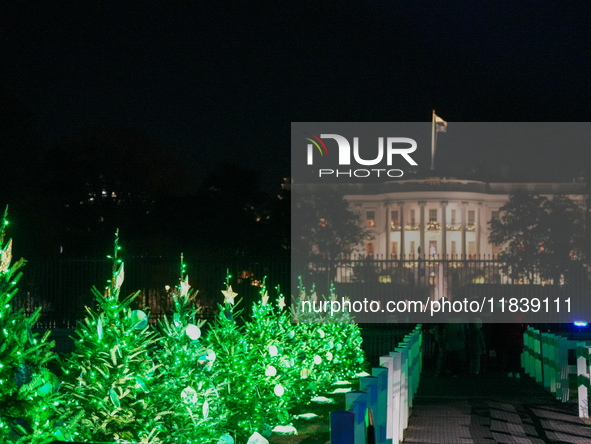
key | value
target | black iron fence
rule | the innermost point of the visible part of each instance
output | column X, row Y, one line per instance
column 62, row 287
column 420, row 277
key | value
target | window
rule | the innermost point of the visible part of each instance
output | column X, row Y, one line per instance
column 432, row 248
column 454, row 248
column 370, row 219
column 432, row 215
column 453, row 217
column 412, row 247
column 394, row 218
column 369, row 249
column 471, row 217
column 412, row 218
column 471, row 248
column 496, row 249
column 394, row 250
column 495, row 215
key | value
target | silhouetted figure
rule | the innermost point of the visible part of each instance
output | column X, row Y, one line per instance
column 476, row 346
column 454, row 339
column 510, row 347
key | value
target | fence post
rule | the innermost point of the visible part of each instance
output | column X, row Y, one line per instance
column 583, row 376
column 403, row 386
column 370, row 385
column 527, row 355
column 546, row 338
column 538, row 356
column 397, row 430
column 357, row 401
column 562, row 389
column 381, row 416
column 342, row 427
column 388, row 363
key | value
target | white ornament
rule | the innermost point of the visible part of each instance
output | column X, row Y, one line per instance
column 329, row 356
column 273, row 350
column 271, row 371
column 279, row 390
column 193, row 332
column 321, row 333
column 317, row 360
column 189, row 395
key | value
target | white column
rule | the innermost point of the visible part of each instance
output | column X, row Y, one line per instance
column 401, row 204
column 477, row 228
column 444, row 228
column 422, row 227
column 464, row 223
column 388, row 231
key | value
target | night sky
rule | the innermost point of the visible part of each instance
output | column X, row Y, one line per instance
column 213, row 83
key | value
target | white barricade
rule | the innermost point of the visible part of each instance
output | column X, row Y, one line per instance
column 388, row 393
column 583, row 377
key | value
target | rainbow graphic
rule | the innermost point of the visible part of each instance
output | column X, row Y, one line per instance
column 314, row 142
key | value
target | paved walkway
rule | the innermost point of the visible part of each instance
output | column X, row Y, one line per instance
column 491, row 408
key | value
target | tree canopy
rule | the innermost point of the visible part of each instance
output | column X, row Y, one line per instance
column 538, row 236
column 326, row 227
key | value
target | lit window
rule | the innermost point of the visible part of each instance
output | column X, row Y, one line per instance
column 322, row 222
column 453, row 217
column 454, row 248
column 495, row 215
column 471, row 217
column 394, row 218
column 432, row 215
column 369, row 249
column 412, row 218
column 370, row 219
column 394, row 250
column 471, row 248
column 432, row 248
column 412, row 247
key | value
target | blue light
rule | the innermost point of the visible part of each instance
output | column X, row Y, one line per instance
column 580, row 323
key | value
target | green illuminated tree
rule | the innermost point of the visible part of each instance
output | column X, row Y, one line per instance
column 327, row 348
column 271, row 367
column 28, row 390
column 187, row 387
column 111, row 378
column 247, row 384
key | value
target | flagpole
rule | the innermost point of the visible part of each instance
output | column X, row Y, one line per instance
column 433, row 141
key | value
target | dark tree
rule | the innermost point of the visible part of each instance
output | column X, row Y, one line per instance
column 108, row 178
column 538, row 236
column 326, row 227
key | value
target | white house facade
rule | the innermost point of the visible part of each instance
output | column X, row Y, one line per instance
column 438, row 217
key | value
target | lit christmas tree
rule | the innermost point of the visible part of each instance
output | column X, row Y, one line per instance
column 248, row 386
column 28, row 390
column 348, row 357
column 272, row 365
column 187, row 388
column 111, row 376
column 328, row 348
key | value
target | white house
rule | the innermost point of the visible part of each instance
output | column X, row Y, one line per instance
column 438, row 217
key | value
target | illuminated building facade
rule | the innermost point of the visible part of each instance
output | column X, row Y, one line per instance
column 438, row 217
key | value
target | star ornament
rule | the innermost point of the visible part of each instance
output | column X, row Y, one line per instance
column 265, row 298
column 314, row 297
column 185, row 286
column 6, row 256
column 229, row 295
column 281, row 303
